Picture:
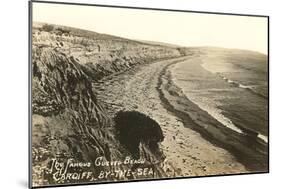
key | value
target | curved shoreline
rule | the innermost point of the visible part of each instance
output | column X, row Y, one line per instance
column 187, row 153
column 241, row 146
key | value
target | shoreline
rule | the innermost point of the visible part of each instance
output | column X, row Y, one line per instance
column 241, row 146
column 220, row 111
column 187, row 153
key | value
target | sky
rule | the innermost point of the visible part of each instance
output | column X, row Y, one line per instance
column 180, row 28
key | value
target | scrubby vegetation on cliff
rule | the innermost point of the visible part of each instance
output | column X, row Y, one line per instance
column 100, row 54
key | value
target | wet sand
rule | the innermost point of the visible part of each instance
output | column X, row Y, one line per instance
column 187, row 151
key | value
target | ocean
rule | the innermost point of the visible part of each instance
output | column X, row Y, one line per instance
column 230, row 85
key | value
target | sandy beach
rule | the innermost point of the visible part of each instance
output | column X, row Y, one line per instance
column 187, row 152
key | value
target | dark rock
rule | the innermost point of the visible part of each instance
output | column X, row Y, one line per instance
column 134, row 127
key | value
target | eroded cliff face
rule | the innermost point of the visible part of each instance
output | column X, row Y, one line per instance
column 101, row 54
column 68, row 120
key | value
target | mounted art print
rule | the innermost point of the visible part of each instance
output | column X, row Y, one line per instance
column 122, row 94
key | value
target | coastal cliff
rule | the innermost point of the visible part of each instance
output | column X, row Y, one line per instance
column 69, row 121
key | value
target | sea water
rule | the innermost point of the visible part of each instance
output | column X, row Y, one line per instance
column 231, row 87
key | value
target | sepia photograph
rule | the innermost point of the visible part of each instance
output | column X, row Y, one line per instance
column 133, row 94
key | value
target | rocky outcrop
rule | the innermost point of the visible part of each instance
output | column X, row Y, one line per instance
column 134, row 128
